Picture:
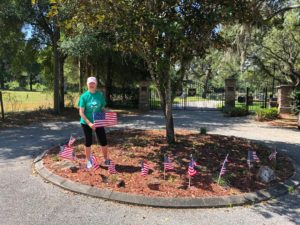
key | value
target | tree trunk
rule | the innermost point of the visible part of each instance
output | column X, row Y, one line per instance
column 1, row 81
column 56, row 70
column 299, row 121
column 207, row 78
column 1, row 76
column 30, row 81
column 81, row 74
column 56, row 79
column 166, row 104
column 108, row 85
column 62, row 81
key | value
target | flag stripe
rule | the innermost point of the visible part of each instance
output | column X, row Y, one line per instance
column 105, row 119
column 66, row 153
column 144, row 168
column 112, row 168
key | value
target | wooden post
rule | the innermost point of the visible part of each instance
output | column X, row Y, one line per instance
column 247, row 100
column 2, row 108
column 266, row 98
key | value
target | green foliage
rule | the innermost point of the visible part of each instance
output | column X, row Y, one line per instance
column 54, row 157
column 296, row 101
column 236, row 111
column 222, row 182
column 13, row 85
column 267, row 114
column 203, row 130
column 113, row 178
column 291, row 189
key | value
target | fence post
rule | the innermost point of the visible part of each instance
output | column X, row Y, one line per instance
column 2, row 108
column 247, row 99
column 266, row 98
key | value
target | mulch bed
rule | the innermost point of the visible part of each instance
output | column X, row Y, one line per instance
column 127, row 148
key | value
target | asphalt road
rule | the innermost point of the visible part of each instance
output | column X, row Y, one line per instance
column 26, row 199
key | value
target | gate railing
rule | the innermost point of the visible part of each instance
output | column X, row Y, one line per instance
column 190, row 100
column 259, row 99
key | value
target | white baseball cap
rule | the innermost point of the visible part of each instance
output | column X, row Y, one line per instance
column 91, row 80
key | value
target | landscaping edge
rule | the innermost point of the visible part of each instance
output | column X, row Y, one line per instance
column 180, row 202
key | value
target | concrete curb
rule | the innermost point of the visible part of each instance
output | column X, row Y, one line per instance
column 207, row 202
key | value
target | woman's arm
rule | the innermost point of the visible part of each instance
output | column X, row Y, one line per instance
column 81, row 113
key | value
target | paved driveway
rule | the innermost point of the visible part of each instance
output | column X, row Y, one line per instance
column 26, row 199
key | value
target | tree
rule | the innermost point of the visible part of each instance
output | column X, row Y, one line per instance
column 277, row 52
column 167, row 34
column 11, row 39
column 45, row 17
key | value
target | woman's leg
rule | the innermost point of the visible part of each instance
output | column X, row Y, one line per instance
column 88, row 134
column 101, row 135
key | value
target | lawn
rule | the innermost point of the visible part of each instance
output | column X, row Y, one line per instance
column 17, row 101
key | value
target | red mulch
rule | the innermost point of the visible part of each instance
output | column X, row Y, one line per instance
column 127, row 148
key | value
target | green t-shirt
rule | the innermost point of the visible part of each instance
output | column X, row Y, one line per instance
column 91, row 102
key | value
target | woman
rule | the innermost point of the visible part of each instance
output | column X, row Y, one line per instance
column 92, row 101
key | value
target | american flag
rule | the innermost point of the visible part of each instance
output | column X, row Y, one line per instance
column 66, row 152
column 168, row 165
column 144, row 168
column 105, row 119
column 191, row 169
column 273, row 155
column 252, row 157
column 71, row 141
column 224, row 166
column 94, row 162
column 112, row 167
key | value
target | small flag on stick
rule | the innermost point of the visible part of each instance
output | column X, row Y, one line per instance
column 112, row 167
column 252, row 157
column 273, row 155
column 71, row 141
column 191, row 170
column 105, row 119
column 144, row 168
column 168, row 165
column 66, row 152
column 223, row 168
column 94, row 162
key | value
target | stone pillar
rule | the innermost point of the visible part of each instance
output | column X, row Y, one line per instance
column 230, row 88
column 144, row 96
column 284, row 98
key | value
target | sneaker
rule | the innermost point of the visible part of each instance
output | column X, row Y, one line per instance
column 89, row 164
column 106, row 162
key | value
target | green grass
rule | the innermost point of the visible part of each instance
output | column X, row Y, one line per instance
column 17, row 101
column 254, row 107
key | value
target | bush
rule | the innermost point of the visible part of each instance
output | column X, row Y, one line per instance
column 236, row 111
column 296, row 101
column 267, row 114
column 203, row 130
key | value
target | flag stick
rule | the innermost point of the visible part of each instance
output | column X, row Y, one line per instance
column 189, row 181
column 219, row 178
column 164, row 173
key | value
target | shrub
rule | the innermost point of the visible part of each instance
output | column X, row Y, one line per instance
column 267, row 114
column 236, row 111
column 203, row 130
column 296, row 101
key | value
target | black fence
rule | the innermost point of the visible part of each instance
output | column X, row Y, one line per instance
column 192, row 96
column 1, row 104
column 254, row 99
column 124, row 98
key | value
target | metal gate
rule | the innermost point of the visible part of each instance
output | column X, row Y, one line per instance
column 254, row 99
column 192, row 96
column 124, row 97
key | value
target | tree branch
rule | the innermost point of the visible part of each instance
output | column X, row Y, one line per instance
column 282, row 10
